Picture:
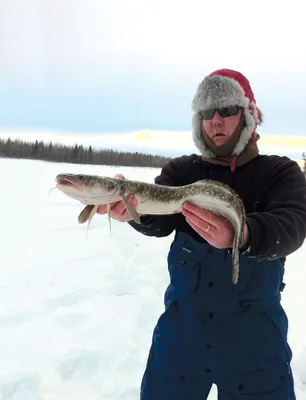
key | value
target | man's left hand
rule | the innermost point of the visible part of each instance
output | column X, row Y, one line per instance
column 217, row 231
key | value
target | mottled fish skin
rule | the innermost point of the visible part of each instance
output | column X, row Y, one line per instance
column 157, row 199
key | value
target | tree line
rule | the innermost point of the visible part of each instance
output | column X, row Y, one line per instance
column 76, row 154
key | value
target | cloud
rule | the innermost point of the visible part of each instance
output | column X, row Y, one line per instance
column 128, row 64
column 98, row 39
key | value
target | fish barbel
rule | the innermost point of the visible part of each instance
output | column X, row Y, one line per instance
column 154, row 199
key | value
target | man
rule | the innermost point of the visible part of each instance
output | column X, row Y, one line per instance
column 213, row 331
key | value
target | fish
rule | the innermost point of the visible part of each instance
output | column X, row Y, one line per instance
column 157, row 199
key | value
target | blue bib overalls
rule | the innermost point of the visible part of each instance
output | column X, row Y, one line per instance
column 213, row 331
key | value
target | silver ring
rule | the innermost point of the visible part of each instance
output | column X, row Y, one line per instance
column 207, row 229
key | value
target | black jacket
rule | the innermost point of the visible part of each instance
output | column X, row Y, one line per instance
column 273, row 190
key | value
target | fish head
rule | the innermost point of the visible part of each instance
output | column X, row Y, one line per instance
column 89, row 189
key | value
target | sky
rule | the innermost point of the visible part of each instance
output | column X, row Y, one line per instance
column 77, row 310
column 123, row 65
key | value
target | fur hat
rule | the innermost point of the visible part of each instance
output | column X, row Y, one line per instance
column 224, row 88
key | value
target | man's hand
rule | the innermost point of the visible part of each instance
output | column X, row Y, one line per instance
column 118, row 209
column 217, row 231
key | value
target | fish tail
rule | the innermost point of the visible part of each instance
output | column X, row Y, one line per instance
column 235, row 261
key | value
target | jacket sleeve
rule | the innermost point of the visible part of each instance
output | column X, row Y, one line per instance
column 172, row 174
column 280, row 229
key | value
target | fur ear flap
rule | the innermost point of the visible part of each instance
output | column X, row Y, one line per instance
column 259, row 116
column 255, row 113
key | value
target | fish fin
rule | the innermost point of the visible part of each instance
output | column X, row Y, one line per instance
column 133, row 213
column 108, row 208
column 92, row 213
column 85, row 213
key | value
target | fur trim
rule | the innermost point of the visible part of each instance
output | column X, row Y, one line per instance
column 217, row 92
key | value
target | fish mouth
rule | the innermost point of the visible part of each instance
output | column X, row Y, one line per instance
column 69, row 182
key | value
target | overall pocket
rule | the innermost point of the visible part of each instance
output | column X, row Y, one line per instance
column 184, row 268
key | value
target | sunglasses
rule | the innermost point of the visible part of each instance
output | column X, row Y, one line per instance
column 223, row 112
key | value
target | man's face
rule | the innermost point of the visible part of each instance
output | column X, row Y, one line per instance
column 220, row 129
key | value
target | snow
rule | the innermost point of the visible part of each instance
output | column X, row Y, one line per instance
column 77, row 311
